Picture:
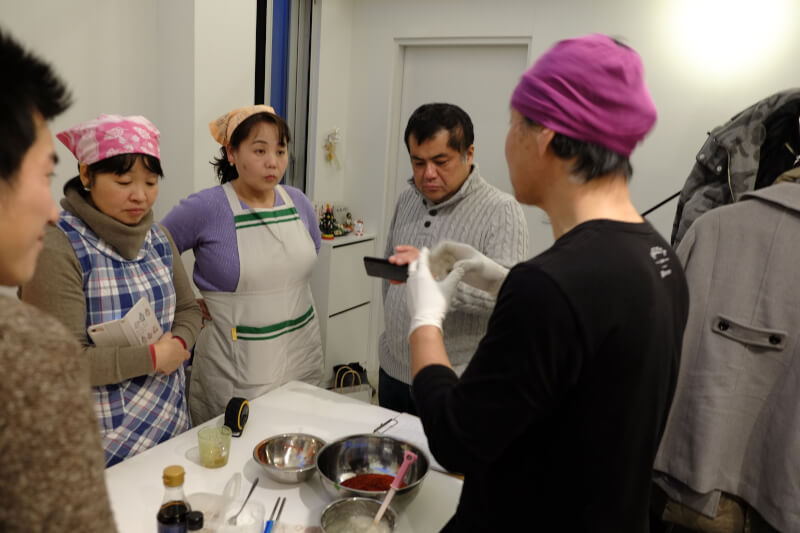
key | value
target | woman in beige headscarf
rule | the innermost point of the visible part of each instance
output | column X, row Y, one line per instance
column 255, row 244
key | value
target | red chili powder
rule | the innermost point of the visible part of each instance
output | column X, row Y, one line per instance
column 376, row 482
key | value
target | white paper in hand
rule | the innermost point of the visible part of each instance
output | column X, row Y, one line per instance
column 139, row 326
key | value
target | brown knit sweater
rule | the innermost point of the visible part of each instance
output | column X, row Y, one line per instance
column 57, row 288
column 51, row 459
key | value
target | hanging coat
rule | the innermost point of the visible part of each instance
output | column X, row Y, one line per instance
column 734, row 425
column 745, row 153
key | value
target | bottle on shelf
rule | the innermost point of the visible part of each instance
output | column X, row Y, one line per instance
column 171, row 516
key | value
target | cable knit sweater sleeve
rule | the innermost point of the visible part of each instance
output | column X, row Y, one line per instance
column 390, row 244
column 505, row 241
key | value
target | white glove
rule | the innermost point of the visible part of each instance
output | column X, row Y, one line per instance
column 479, row 271
column 426, row 298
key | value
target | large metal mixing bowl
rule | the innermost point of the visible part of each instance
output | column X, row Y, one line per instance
column 369, row 454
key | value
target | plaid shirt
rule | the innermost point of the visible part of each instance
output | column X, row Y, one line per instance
column 137, row 413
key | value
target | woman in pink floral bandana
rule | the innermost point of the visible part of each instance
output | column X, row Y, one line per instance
column 104, row 255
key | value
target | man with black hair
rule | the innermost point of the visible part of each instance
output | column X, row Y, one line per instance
column 51, row 465
column 447, row 199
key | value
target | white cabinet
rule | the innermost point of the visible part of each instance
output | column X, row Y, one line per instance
column 342, row 293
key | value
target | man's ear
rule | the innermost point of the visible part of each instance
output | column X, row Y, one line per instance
column 470, row 153
column 83, row 169
column 543, row 139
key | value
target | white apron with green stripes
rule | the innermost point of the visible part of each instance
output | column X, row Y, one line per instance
column 266, row 332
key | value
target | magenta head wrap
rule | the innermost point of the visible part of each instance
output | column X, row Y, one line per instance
column 590, row 89
column 110, row 135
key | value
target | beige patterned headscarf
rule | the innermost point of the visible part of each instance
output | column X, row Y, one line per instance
column 222, row 128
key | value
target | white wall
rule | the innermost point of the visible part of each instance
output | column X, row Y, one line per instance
column 330, row 78
column 692, row 92
column 180, row 63
column 692, row 97
column 175, row 113
column 224, row 77
column 104, row 50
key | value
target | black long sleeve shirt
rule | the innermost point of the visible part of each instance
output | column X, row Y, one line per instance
column 557, row 419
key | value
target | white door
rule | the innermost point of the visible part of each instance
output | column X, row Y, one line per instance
column 478, row 78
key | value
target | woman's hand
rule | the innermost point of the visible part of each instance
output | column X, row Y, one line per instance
column 204, row 308
column 170, row 354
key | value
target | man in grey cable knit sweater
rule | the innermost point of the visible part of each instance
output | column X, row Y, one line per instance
column 51, row 461
column 447, row 199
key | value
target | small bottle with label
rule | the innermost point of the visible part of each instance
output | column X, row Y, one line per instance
column 171, row 516
column 194, row 521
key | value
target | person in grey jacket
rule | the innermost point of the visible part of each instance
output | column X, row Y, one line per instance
column 730, row 448
column 447, row 199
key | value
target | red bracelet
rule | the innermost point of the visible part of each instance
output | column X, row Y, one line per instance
column 181, row 340
column 153, row 355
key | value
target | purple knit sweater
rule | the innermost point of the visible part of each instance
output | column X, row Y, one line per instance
column 203, row 222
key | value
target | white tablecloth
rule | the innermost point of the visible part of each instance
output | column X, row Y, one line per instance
column 136, row 488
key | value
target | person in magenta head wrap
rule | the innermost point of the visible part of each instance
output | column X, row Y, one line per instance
column 101, row 258
column 556, row 421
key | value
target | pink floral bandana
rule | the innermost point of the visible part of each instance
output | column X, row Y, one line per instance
column 110, row 135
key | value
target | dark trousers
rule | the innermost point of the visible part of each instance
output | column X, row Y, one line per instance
column 394, row 394
column 733, row 516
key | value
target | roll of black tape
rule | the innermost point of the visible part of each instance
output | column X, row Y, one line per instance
column 236, row 414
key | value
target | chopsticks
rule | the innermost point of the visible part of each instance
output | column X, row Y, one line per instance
column 386, row 425
column 273, row 518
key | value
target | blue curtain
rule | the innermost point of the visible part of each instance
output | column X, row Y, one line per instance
column 281, row 13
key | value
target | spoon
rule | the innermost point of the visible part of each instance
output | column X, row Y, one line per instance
column 232, row 520
column 408, row 459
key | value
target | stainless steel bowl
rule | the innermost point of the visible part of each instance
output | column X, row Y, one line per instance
column 336, row 515
column 289, row 457
column 369, row 454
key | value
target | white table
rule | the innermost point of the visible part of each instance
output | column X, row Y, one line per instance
column 136, row 489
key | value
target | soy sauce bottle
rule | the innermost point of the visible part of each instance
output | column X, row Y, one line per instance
column 171, row 516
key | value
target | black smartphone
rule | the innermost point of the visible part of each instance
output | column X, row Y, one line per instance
column 382, row 268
